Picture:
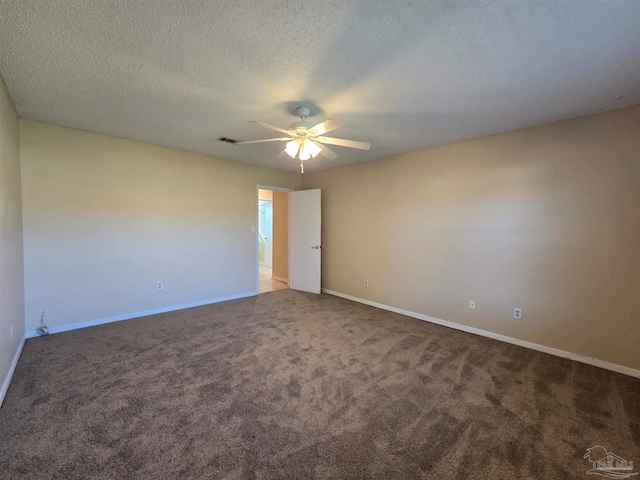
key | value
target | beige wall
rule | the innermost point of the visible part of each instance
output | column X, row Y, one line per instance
column 281, row 235
column 546, row 219
column 106, row 218
column 11, row 266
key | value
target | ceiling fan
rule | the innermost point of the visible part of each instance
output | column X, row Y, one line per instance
column 303, row 139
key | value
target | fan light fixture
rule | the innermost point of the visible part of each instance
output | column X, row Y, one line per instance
column 304, row 148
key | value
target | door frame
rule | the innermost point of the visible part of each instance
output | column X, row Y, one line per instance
column 257, row 226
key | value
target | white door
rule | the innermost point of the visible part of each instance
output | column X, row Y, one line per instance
column 305, row 240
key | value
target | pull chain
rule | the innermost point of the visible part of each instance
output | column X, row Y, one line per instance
column 301, row 166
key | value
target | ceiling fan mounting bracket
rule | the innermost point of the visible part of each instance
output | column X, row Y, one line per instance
column 303, row 112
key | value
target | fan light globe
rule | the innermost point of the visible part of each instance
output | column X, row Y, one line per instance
column 305, row 153
column 313, row 148
column 292, row 149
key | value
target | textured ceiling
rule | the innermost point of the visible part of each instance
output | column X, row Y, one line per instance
column 403, row 75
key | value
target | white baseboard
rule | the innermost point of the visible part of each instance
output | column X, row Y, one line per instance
column 496, row 336
column 7, row 380
column 129, row 316
column 280, row 279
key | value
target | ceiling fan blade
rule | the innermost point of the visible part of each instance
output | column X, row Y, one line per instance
column 344, row 143
column 277, row 129
column 330, row 154
column 324, row 127
column 283, row 139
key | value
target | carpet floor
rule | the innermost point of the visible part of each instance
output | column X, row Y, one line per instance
column 289, row 385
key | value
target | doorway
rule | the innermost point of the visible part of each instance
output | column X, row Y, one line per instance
column 273, row 239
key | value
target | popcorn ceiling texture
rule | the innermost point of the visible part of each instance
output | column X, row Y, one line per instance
column 401, row 75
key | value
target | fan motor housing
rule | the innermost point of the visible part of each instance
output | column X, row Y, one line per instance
column 300, row 127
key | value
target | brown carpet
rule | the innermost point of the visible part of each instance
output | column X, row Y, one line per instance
column 290, row 385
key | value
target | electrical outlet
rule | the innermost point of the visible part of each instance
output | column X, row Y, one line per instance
column 517, row 313
column 366, row 283
column 11, row 330
column 253, row 229
column 159, row 285
column 472, row 304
